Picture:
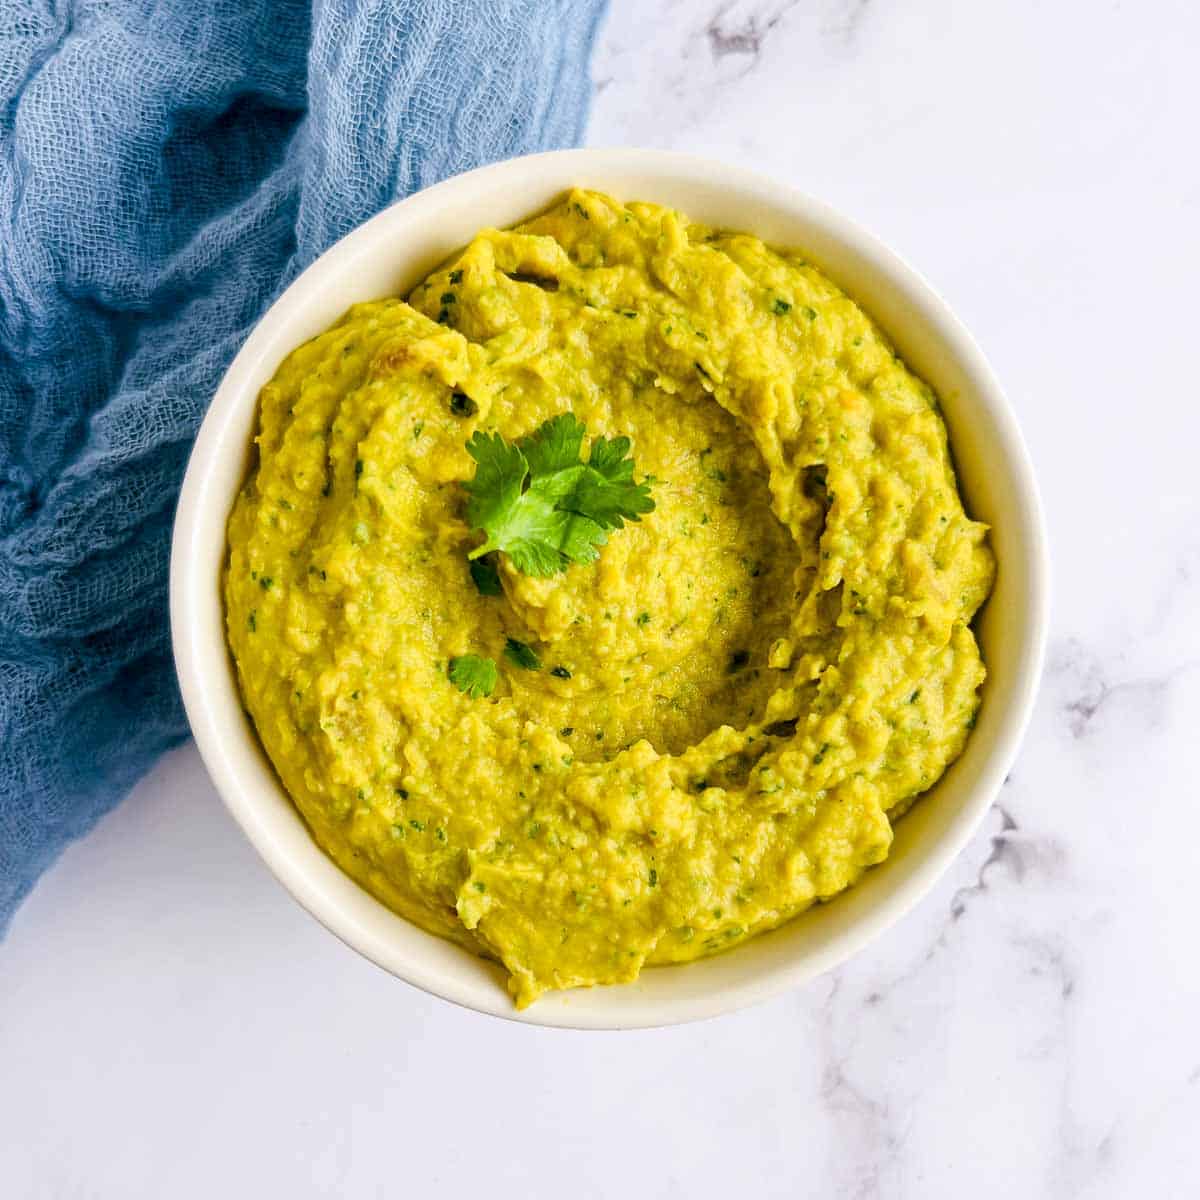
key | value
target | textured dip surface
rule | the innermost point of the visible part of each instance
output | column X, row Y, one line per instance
column 730, row 708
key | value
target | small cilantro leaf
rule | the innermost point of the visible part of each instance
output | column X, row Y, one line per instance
column 542, row 505
column 472, row 675
column 521, row 655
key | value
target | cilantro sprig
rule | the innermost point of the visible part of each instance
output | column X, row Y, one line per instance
column 542, row 505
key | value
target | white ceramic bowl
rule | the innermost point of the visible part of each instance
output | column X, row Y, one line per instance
column 385, row 257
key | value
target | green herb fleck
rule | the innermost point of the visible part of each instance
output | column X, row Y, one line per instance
column 461, row 405
column 781, row 307
column 560, row 672
column 653, row 877
column 449, row 298
column 486, row 577
column 521, row 655
column 643, row 618
column 419, row 826
column 265, row 583
column 252, row 620
column 456, row 276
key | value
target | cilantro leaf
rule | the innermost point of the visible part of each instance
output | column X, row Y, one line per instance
column 542, row 505
column 609, row 494
column 554, row 445
column 499, row 477
column 610, row 456
column 472, row 675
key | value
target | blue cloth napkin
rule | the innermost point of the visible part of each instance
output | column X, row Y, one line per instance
column 166, row 168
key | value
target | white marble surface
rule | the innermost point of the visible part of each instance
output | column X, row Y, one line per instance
column 171, row 1024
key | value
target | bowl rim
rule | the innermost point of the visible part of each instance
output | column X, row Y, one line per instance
column 190, row 588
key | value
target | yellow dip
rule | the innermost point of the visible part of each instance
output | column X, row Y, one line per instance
column 734, row 704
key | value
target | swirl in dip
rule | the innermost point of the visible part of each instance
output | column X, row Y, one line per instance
column 730, row 708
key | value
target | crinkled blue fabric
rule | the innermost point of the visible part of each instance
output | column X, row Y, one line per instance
column 166, row 168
